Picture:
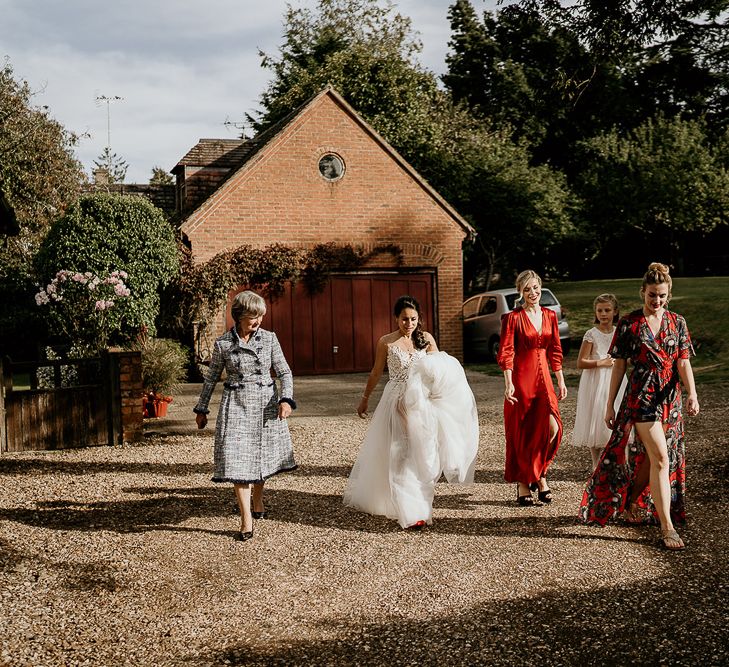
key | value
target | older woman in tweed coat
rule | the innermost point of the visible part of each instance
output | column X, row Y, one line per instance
column 252, row 440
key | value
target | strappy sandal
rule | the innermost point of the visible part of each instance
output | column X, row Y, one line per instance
column 524, row 501
column 635, row 515
column 672, row 541
column 545, row 496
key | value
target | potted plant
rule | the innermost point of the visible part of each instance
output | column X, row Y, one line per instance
column 164, row 367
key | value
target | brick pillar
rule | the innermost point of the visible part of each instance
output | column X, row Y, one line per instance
column 127, row 367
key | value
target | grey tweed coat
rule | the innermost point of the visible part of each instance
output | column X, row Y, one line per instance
column 251, row 442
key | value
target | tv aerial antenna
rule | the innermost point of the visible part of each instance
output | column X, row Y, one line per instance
column 104, row 99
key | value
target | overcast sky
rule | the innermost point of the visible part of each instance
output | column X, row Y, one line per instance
column 181, row 67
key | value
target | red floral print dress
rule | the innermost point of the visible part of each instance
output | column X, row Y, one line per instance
column 653, row 394
column 529, row 355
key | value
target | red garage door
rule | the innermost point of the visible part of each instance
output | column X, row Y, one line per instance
column 336, row 330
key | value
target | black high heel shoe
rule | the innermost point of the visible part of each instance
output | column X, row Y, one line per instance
column 524, row 501
column 260, row 515
column 545, row 496
column 244, row 537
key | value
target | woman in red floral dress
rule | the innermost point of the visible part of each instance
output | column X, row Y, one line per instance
column 648, row 479
column 529, row 346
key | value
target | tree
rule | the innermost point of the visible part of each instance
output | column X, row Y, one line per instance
column 555, row 78
column 39, row 178
column 105, row 232
column 111, row 167
column 611, row 27
column 39, row 175
column 522, row 213
column 684, row 44
column 368, row 53
column 675, row 78
column 664, row 182
column 520, row 73
column 161, row 176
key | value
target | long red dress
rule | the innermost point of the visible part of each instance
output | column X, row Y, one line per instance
column 529, row 355
column 653, row 394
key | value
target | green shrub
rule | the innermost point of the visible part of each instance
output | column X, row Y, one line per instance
column 102, row 233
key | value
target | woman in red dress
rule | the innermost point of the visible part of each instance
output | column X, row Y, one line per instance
column 529, row 346
column 657, row 343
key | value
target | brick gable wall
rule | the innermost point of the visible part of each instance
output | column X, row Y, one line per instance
column 279, row 196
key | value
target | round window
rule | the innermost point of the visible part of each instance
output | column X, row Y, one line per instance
column 331, row 166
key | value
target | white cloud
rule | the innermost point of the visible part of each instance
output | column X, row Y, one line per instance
column 182, row 67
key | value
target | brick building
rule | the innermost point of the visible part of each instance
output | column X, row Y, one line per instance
column 324, row 175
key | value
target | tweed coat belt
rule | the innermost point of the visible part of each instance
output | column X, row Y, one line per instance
column 243, row 381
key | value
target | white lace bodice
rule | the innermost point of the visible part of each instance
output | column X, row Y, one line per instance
column 600, row 342
column 399, row 362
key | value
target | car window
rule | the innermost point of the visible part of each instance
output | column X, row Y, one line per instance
column 488, row 305
column 511, row 300
column 470, row 308
column 547, row 299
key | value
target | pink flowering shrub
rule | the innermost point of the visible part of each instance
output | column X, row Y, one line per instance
column 87, row 308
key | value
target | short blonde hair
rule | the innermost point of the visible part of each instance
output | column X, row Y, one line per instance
column 247, row 303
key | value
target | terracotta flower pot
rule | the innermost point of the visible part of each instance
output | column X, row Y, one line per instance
column 156, row 406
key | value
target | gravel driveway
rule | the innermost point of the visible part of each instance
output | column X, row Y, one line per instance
column 124, row 556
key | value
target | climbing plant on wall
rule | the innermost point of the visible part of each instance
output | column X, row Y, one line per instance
column 201, row 290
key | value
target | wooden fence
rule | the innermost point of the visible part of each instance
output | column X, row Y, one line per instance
column 57, row 404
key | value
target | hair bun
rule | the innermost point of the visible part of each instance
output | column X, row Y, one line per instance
column 658, row 267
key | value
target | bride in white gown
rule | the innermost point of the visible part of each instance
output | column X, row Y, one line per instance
column 425, row 425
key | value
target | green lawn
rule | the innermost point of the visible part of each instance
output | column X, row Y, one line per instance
column 702, row 301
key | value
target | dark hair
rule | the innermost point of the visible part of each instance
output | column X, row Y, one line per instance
column 418, row 337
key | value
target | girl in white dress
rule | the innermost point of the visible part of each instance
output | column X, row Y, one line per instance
column 590, row 429
column 425, row 425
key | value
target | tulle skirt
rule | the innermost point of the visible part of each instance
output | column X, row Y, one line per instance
column 420, row 430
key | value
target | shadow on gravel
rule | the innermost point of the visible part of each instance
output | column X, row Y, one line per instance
column 321, row 471
column 482, row 475
column 327, row 511
column 555, row 474
column 674, row 620
column 10, row 557
column 15, row 467
column 168, row 507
